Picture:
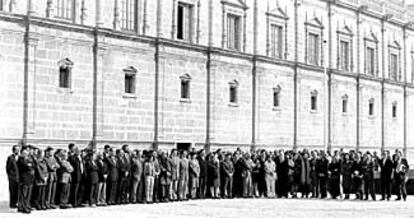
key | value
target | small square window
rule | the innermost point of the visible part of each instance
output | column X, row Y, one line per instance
column 129, row 83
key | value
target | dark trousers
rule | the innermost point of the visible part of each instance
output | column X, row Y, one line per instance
column 359, row 187
column 369, row 188
column 64, row 193
column 134, row 190
column 14, row 193
column 40, row 197
column 111, row 192
column 93, row 194
column 335, row 187
column 202, row 187
column 121, row 192
column 50, row 193
column 24, row 197
column 386, row 188
column 322, row 186
column 157, row 190
column 75, row 194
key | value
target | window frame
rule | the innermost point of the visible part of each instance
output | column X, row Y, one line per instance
column 125, row 13
column 233, row 93
column 277, row 17
column 276, row 97
column 63, row 12
column 345, row 103
column 132, row 73
column 345, row 35
column 371, row 107
column 186, row 78
column 239, row 10
column 314, row 101
column 394, row 110
column 315, row 28
column 371, row 42
column 65, row 64
column 188, row 27
column 394, row 50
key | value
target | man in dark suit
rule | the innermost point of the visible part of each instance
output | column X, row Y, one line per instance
column 26, row 175
column 401, row 168
column 13, row 176
column 78, row 170
column 93, row 178
column 322, row 174
column 386, row 165
column 113, row 174
column 203, row 174
column 127, row 160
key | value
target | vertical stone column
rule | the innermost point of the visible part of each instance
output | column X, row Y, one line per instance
column 31, row 86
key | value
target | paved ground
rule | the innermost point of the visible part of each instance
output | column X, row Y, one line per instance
column 237, row 208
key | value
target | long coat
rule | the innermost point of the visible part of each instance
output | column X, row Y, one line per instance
column 165, row 171
column 41, row 172
column 346, row 170
column 26, row 170
column 305, row 171
column 92, row 169
column 12, row 168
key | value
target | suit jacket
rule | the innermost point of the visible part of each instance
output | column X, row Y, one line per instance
column 228, row 169
column 322, row 168
column 203, row 167
column 136, row 169
column 112, row 163
column 78, row 168
column 26, row 170
column 102, row 170
column 41, row 172
column 92, row 171
column 12, row 168
column 65, row 171
column 122, row 167
column 52, row 166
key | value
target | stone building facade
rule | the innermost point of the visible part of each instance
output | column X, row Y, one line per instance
column 208, row 73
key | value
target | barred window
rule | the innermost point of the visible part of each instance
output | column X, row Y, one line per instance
column 128, row 11
column 233, row 31
column 65, row 9
column 276, row 41
column 313, row 48
column 184, row 21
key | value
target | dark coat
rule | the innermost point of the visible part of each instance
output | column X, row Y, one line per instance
column 52, row 166
column 92, row 171
column 123, row 169
column 26, row 170
column 228, row 169
column 322, row 168
column 112, row 169
column 12, row 169
column 137, row 168
column 386, row 169
column 77, row 165
column 41, row 173
column 165, row 171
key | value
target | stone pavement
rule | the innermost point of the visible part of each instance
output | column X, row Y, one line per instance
column 236, row 208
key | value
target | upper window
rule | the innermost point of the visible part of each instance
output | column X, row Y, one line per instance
column 345, row 104
column 128, row 13
column 233, row 95
column 394, row 110
column 394, row 67
column 130, row 80
column 276, row 97
column 184, row 21
column 344, row 55
column 314, row 100
column 313, row 48
column 276, row 41
column 65, row 71
column 65, row 9
column 371, row 107
column 185, row 86
column 370, row 60
column 233, row 31
column 394, row 61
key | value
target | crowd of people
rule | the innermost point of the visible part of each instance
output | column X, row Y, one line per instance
column 65, row 178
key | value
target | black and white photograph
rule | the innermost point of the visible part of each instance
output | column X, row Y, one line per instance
column 206, row 108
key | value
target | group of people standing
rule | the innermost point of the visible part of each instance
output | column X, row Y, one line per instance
column 48, row 179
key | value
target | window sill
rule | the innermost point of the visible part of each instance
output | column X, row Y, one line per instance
column 64, row 90
column 345, row 114
column 233, row 105
column 129, row 95
column 276, row 108
column 371, row 117
column 313, row 111
column 185, row 100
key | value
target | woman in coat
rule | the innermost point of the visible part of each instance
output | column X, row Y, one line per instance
column 346, row 170
column 305, row 175
column 335, row 173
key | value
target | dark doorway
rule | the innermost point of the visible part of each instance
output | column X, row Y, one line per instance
column 183, row 146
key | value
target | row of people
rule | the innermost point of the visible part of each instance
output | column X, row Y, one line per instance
column 77, row 178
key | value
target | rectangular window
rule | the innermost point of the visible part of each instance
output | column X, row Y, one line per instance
column 130, row 83
column 64, row 9
column 276, row 100
column 371, row 109
column 394, row 111
column 64, row 77
column 314, row 102
column 370, row 61
column 394, row 67
column 233, row 32
column 185, row 89
column 313, row 49
column 128, row 14
column 344, row 59
column 344, row 105
column 276, row 41
column 184, row 21
column 233, row 94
